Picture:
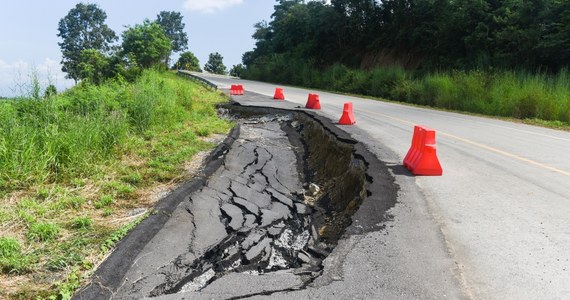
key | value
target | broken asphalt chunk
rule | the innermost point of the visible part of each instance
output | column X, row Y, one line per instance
column 235, row 215
column 250, row 207
column 280, row 197
column 260, row 199
column 260, row 249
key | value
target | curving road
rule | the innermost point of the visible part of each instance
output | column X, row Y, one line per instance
column 496, row 225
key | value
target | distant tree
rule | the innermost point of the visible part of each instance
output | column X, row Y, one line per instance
column 248, row 58
column 188, row 61
column 237, row 70
column 93, row 66
column 555, row 45
column 50, row 91
column 147, row 44
column 215, row 64
column 81, row 29
column 171, row 23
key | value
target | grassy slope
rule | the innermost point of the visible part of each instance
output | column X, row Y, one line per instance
column 79, row 169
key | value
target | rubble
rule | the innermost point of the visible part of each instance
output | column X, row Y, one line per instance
column 314, row 190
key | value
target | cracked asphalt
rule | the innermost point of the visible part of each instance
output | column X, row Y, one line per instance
column 248, row 220
column 248, row 231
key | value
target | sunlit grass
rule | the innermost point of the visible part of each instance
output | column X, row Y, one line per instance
column 78, row 170
column 514, row 94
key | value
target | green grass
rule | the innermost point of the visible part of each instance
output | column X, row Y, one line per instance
column 81, row 223
column 12, row 259
column 42, row 231
column 105, row 201
column 513, row 94
column 73, row 167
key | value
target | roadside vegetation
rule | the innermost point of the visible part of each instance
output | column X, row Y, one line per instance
column 500, row 58
column 79, row 169
column 514, row 94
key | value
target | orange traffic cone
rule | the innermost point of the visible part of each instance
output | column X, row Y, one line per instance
column 313, row 102
column 422, row 156
column 279, row 94
column 347, row 117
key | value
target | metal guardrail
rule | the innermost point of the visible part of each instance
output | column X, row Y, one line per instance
column 201, row 80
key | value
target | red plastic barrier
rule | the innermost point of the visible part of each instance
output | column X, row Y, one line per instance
column 422, row 159
column 236, row 89
column 279, row 94
column 413, row 148
column 347, row 117
column 313, row 102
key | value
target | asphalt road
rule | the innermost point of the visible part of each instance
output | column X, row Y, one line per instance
column 496, row 225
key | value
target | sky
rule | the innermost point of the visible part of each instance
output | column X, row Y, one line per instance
column 28, row 32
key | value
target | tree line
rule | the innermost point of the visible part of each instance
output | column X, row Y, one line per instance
column 417, row 34
column 90, row 53
column 506, row 58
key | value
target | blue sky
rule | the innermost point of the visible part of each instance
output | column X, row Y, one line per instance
column 28, row 32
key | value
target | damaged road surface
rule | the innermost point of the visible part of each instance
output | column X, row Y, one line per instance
column 265, row 221
column 247, row 220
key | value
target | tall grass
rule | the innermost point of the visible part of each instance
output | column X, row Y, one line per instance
column 62, row 137
column 517, row 94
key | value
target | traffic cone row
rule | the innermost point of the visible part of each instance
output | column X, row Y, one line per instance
column 236, row 89
column 313, row 102
column 422, row 157
column 347, row 118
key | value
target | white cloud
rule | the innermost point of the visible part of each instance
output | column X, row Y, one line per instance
column 15, row 77
column 210, row 6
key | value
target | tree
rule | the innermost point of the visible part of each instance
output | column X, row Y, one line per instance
column 171, row 23
column 50, row 91
column 81, row 29
column 146, row 44
column 555, row 46
column 237, row 70
column 188, row 61
column 93, row 66
column 215, row 64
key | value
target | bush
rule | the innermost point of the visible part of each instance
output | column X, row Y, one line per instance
column 384, row 81
column 472, row 95
column 408, row 90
